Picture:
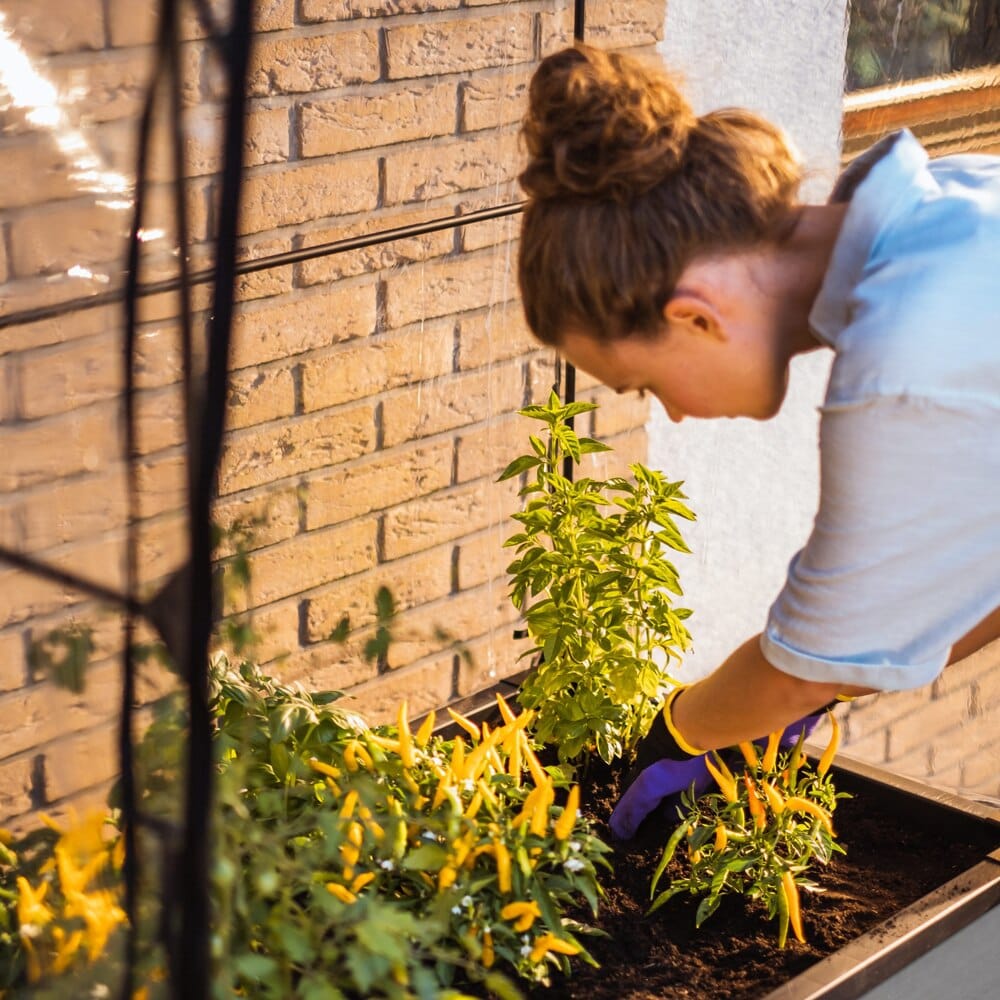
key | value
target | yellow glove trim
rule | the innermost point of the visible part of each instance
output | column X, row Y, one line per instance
column 846, row 697
column 672, row 729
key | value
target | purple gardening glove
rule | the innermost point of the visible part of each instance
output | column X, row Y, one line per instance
column 651, row 786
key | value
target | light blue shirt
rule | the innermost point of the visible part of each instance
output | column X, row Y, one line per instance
column 904, row 556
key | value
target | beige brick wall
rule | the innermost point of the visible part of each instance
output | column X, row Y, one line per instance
column 372, row 398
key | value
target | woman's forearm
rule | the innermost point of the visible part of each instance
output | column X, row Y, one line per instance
column 746, row 698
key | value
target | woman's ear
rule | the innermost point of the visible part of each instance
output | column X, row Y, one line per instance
column 693, row 314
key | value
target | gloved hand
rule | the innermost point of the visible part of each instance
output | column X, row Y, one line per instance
column 662, row 768
column 666, row 765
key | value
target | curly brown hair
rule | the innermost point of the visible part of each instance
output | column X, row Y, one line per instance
column 626, row 185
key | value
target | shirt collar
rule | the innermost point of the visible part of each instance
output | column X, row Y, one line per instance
column 879, row 184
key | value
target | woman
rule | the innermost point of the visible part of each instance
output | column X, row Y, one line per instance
column 666, row 253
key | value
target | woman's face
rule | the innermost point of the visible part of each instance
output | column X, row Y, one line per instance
column 721, row 351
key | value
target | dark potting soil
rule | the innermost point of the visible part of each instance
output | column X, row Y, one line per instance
column 891, row 862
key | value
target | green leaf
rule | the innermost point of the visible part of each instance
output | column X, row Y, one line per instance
column 668, row 852
column 518, row 466
column 341, row 631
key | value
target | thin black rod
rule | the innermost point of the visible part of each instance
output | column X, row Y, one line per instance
column 569, row 372
column 262, row 263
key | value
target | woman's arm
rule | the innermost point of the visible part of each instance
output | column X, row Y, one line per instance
column 747, row 698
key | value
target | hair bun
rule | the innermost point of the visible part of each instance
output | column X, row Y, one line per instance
column 602, row 126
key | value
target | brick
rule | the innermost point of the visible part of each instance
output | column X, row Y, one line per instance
column 61, row 446
column 493, row 98
column 267, row 140
column 412, row 580
column 501, row 234
column 429, row 48
column 54, row 239
column 926, row 723
column 423, row 685
column 342, row 10
column 916, row 764
column 276, row 627
column 987, row 689
column 8, row 388
column 451, row 166
column 34, row 171
column 306, row 561
column 380, row 116
column 616, row 414
column 160, row 213
column 487, row 449
column 445, row 516
column 13, row 669
column 261, row 518
column 159, row 415
column 876, row 713
column 106, row 89
column 630, row 447
column 386, row 479
column 299, row 64
column 68, row 376
column 374, row 258
column 981, row 770
column 968, row 670
column 162, row 484
column 327, row 666
column 441, row 288
column 40, row 31
column 81, row 762
column 133, row 22
column 444, row 404
column 31, row 293
column 872, row 748
column 74, row 509
column 259, row 395
column 15, row 786
column 482, row 558
column 4, row 263
column 262, row 455
column 276, row 331
column 492, row 335
column 541, row 376
column 491, row 658
column 609, row 25
column 376, row 364
column 42, row 713
column 265, row 283
column 307, row 193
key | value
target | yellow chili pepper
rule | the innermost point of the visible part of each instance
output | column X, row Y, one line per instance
column 446, row 878
column 770, row 757
column 349, row 853
column 385, row 742
column 457, row 764
column 723, row 777
column 828, row 754
column 563, row 826
column 355, row 833
column 328, row 769
column 523, row 912
column 470, row 727
column 797, row 804
column 422, row 736
column 487, row 794
column 794, row 910
column 695, row 856
column 549, row 942
column 475, row 803
column 361, row 881
column 334, row 787
column 505, row 711
column 538, row 773
column 350, row 802
column 406, row 754
column 358, row 755
column 756, row 807
column 489, row 955
column 539, row 823
column 721, row 838
column 514, row 761
column 749, row 752
column 773, row 796
column 341, row 892
column 502, row 856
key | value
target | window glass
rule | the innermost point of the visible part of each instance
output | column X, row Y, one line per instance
column 890, row 41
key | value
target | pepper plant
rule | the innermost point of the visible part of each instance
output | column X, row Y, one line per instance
column 597, row 591
column 758, row 835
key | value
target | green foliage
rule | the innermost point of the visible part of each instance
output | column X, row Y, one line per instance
column 596, row 588
column 758, row 836
column 63, row 655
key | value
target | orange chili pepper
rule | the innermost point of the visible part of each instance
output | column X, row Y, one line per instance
column 794, row 910
column 756, row 806
column 771, row 753
column 828, row 754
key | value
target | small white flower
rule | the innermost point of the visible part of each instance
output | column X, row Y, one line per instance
column 526, row 950
column 575, row 845
column 574, row 865
column 468, row 784
column 30, row 930
column 457, row 910
column 466, row 901
column 429, row 835
column 387, row 865
column 100, row 992
column 487, row 929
